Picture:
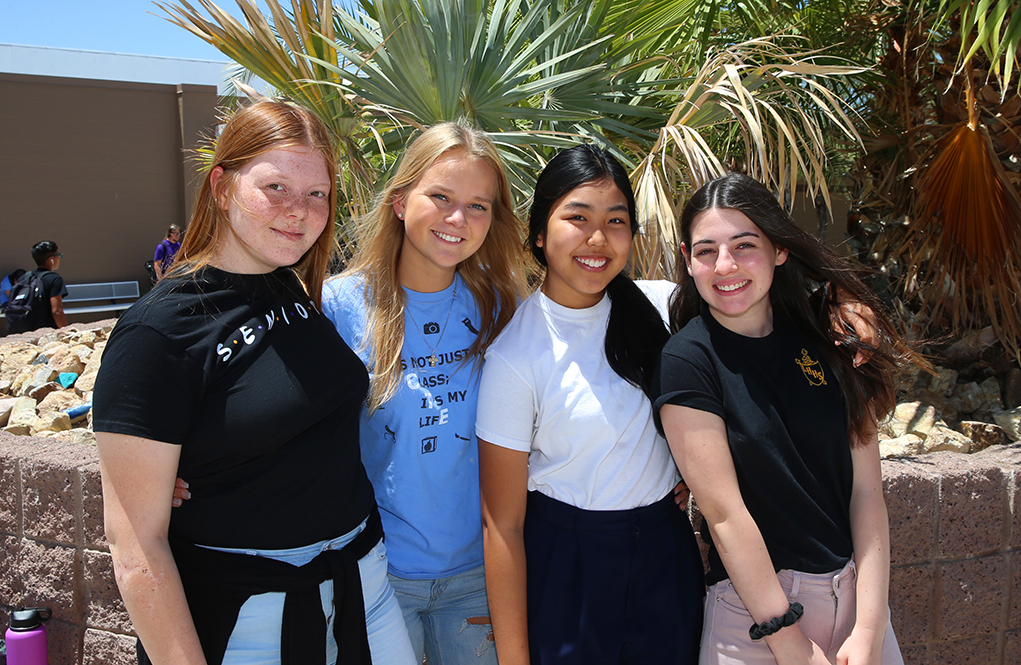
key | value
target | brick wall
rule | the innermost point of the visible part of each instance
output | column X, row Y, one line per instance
column 955, row 523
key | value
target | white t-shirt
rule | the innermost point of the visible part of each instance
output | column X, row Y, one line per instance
column 547, row 389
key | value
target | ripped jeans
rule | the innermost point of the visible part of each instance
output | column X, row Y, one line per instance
column 448, row 618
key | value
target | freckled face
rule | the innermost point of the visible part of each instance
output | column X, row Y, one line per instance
column 447, row 214
column 732, row 264
column 587, row 243
column 279, row 208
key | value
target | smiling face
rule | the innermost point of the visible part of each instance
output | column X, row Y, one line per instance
column 447, row 214
column 278, row 208
column 586, row 243
column 731, row 262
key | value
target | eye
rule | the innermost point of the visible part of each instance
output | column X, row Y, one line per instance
column 276, row 187
column 746, row 245
column 441, row 197
column 479, row 206
column 618, row 220
column 319, row 195
column 705, row 251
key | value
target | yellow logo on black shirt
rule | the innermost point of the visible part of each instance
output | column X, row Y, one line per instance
column 812, row 369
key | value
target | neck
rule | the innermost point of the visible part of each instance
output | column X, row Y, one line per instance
column 424, row 281
column 748, row 326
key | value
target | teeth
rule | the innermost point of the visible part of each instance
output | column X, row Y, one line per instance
column 732, row 287
column 593, row 263
column 448, row 238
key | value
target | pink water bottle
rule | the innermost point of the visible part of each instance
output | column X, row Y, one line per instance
column 26, row 638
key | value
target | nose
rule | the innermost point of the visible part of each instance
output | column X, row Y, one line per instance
column 456, row 217
column 597, row 239
column 725, row 263
column 297, row 206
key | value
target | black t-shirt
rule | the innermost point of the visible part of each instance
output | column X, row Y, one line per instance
column 786, row 430
column 263, row 396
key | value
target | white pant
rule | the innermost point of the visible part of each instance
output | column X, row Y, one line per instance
column 829, row 602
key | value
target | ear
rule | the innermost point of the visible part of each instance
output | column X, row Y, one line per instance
column 781, row 256
column 399, row 206
column 215, row 185
column 687, row 257
column 538, row 240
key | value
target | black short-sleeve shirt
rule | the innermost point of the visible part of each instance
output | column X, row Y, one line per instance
column 786, row 430
column 262, row 394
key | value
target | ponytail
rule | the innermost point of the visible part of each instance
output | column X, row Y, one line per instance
column 635, row 333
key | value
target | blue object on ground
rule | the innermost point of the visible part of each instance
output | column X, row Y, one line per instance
column 77, row 412
column 67, row 379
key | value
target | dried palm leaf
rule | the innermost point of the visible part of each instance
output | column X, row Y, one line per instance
column 964, row 243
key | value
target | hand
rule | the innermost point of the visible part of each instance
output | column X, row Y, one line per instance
column 789, row 646
column 862, row 647
column 850, row 315
column 681, row 495
column 181, row 493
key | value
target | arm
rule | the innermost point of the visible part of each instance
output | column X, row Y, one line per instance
column 503, row 477
column 870, row 532
column 698, row 441
column 57, row 308
column 138, row 478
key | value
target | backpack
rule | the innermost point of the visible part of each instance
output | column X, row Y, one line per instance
column 26, row 309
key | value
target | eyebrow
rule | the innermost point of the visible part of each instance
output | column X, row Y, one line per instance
column 743, row 234
column 443, row 189
column 587, row 206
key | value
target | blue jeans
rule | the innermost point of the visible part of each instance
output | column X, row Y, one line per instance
column 448, row 618
column 256, row 636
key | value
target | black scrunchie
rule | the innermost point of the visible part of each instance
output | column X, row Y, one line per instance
column 760, row 630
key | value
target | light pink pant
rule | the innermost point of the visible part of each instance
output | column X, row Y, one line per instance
column 829, row 601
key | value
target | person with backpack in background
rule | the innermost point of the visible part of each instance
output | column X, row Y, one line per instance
column 37, row 299
column 6, row 284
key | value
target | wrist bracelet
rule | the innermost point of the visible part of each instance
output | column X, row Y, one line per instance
column 760, row 630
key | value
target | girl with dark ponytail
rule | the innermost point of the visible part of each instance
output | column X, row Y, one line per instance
column 576, row 483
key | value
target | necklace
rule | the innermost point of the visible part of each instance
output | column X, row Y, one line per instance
column 432, row 351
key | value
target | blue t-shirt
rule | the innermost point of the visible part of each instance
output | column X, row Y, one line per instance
column 5, row 286
column 419, row 448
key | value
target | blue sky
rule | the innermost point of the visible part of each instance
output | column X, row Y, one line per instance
column 120, row 26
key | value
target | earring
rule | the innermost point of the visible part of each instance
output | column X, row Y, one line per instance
column 400, row 215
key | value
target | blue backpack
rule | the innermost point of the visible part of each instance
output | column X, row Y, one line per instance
column 26, row 309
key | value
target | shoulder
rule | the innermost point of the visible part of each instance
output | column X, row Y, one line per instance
column 344, row 292
column 521, row 324
column 658, row 291
column 693, row 340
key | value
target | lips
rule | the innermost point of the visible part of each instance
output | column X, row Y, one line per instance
column 594, row 262
column 290, row 235
column 447, row 237
column 728, row 288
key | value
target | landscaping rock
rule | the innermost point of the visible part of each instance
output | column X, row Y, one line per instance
column 40, row 392
column 901, row 446
column 909, row 418
column 1010, row 421
column 967, row 397
column 50, row 421
column 6, row 404
column 982, row 434
column 22, row 416
column 943, row 438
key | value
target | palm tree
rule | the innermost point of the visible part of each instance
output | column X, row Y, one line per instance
column 539, row 76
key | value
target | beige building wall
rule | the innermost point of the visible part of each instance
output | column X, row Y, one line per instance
column 99, row 167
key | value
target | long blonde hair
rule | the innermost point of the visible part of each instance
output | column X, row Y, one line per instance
column 252, row 131
column 494, row 274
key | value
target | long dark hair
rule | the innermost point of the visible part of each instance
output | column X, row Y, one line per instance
column 804, row 291
column 635, row 333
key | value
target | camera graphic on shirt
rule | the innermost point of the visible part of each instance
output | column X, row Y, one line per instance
column 431, row 328
column 429, row 445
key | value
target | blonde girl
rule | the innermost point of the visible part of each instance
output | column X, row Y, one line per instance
column 437, row 276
